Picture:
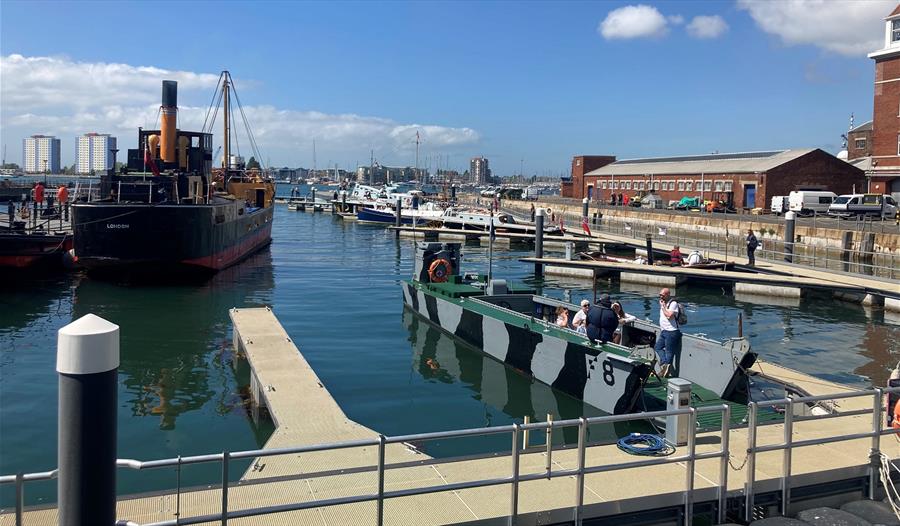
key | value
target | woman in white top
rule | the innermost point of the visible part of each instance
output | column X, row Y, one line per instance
column 579, row 321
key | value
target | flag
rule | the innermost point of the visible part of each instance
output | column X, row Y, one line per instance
column 493, row 235
column 584, row 225
column 149, row 160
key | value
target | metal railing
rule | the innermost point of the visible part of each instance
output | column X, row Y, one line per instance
column 381, row 495
column 789, row 444
column 515, row 478
column 832, row 259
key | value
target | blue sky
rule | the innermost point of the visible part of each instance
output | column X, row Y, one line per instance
column 512, row 81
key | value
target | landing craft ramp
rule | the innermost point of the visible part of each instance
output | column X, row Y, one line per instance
column 321, row 468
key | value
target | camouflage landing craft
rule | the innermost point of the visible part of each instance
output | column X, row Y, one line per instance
column 510, row 324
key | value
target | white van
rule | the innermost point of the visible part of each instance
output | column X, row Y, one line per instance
column 779, row 204
column 807, row 203
column 851, row 205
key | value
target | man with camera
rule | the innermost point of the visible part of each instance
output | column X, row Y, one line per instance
column 668, row 343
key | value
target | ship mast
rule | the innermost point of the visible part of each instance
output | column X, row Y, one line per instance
column 227, row 138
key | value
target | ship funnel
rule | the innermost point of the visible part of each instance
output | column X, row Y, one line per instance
column 169, row 120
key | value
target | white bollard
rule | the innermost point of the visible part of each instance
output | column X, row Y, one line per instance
column 87, row 362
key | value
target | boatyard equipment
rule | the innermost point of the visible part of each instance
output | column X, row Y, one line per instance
column 678, row 396
column 643, row 444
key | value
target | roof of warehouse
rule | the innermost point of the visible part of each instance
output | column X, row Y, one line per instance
column 741, row 162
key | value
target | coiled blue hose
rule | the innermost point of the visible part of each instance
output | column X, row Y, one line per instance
column 645, row 445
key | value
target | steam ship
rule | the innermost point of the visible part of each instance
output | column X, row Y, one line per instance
column 170, row 210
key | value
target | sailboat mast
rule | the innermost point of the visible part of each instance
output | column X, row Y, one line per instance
column 418, row 182
column 226, row 147
column 314, row 159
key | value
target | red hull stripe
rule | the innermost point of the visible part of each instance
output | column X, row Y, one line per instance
column 230, row 255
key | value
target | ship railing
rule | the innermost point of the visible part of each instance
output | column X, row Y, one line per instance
column 519, row 442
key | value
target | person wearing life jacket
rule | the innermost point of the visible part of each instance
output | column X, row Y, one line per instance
column 39, row 194
column 895, row 421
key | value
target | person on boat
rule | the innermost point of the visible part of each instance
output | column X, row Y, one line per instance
column 624, row 319
column 675, row 257
column 11, row 210
column 562, row 316
column 668, row 343
column 694, row 258
column 625, row 200
column 62, row 195
column 579, row 321
column 752, row 244
column 602, row 321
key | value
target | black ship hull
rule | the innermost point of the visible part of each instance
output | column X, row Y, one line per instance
column 161, row 237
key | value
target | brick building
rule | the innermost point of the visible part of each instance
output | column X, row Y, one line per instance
column 859, row 141
column 746, row 180
column 581, row 164
column 882, row 164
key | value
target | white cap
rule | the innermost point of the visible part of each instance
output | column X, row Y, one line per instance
column 88, row 345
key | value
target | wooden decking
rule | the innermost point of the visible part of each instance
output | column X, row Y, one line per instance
column 306, row 413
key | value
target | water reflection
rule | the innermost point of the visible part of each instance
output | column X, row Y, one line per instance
column 175, row 348
column 438, row 357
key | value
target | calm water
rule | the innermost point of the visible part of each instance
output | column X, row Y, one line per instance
column 333, row 285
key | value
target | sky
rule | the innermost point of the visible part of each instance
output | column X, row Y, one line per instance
column 526, row 84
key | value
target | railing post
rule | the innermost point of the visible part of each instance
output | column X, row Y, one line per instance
column 87, row 362
column 579, row 482
column 380, row 504
column 178, row 491
column 786, row 456
column 875, row 452
column 689, row 468
column 549, row 444
column 20, row 498
column 225, row 456
column 525, row 420
column 723, row 462
column 514, row 490
column 751, row 461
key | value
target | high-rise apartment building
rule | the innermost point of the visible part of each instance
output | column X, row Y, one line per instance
column 94, row 153
column 479, row 171
column 40, row 153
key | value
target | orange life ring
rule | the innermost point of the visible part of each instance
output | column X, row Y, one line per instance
column 439, row 270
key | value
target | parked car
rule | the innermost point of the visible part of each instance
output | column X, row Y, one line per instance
column 807, row 203
column 860, row 205
column 779, row 204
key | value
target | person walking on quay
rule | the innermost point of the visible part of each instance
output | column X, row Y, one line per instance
column 668, row 343
column 11, row 210
column 602, row 322
column 752, row 244
column 531, row 212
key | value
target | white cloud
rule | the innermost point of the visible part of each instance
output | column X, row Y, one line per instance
column 633, row 21
column 57, row 96
column 851, row 28
column 707, row 26
column 675, row 20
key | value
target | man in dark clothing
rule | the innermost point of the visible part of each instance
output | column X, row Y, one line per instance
column 602, row 320
column 11, row 210
column 752, row 243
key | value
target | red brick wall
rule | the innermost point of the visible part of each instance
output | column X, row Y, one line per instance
column 582, row 164
column 886, row 108
column 852, row 151
column 815, row 170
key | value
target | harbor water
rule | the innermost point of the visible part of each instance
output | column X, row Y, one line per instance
column 334, row 286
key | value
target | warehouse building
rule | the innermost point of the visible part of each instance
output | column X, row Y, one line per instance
column 744, row 180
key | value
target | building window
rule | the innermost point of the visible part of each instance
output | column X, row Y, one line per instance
column 728, row 186
column 895, row 30
column 672, row 185
column 898, row 144
column 681, row 186
column 860, row 144
column 688, row 186
column 603, row 185
column 707, row 186
column 614, row 185
column 720, row 186
column 656, row 185
column 628, row 185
